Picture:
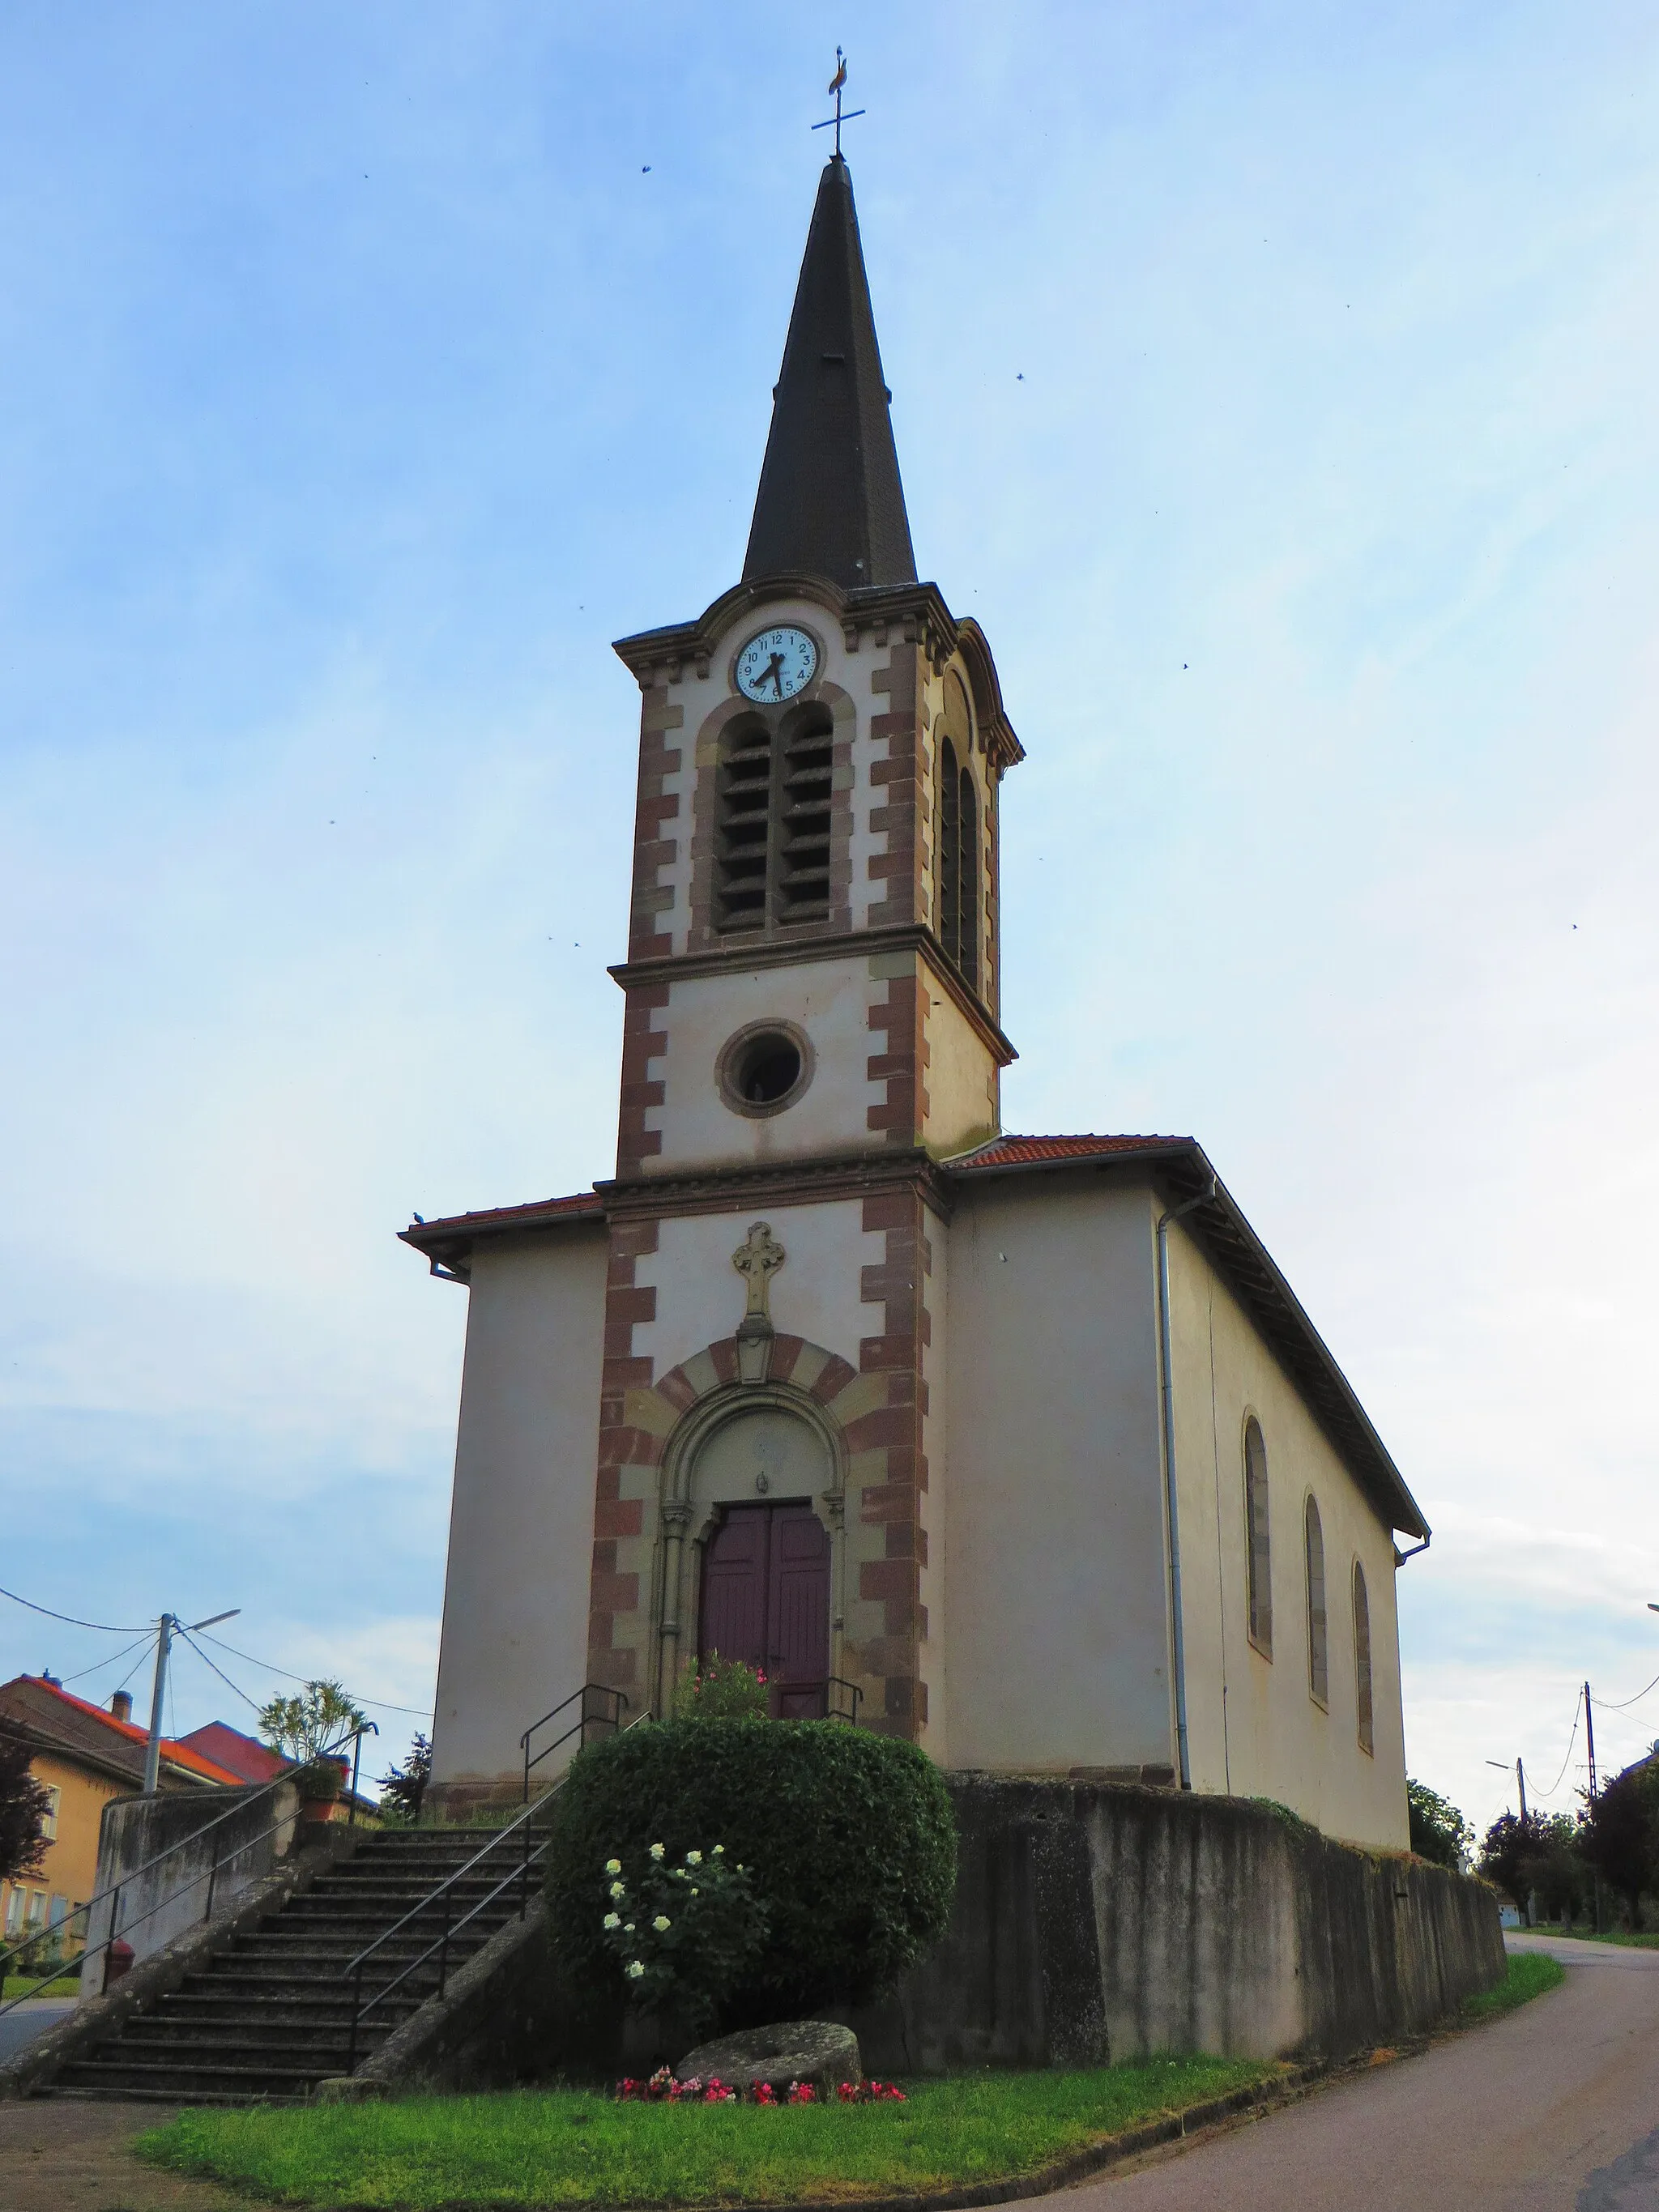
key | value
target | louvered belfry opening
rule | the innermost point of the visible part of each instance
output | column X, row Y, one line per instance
column 806, row 776
column 968, row 872
column 772, row 836
column 744, row 834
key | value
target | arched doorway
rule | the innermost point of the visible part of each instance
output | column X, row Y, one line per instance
column 766, row 1557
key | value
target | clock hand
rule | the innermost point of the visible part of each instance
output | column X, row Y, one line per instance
column 775, row 674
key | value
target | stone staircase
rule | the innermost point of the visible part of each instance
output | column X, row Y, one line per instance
column 271, row 2016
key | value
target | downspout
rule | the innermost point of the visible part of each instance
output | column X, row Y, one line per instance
column 1172, row 1519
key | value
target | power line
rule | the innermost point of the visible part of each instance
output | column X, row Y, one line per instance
column 102, row 1626
column 1625, row 1704
column 380, row 1704
column 1578, row 1704
column 186, row 1634
column 98, row 1665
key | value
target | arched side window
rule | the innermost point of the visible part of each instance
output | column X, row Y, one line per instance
column 959, row 895
column 772, row 822
column 950, row 852
column 1257, row 1554
column 1319, row 1658
column 968, row 876
column 1362, row 1658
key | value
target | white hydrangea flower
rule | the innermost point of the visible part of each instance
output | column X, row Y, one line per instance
column 694, row 1858
column 618, row 1889
column 613, row 1866
column 635, row 1969
column 661, row 1922
column 657, row 1851
column 613, row 1920
column 720, row 1850
column 628, row 1930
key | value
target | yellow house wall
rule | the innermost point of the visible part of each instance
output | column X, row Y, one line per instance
column 522, row 1528
column 1253, row 1728
column 70, row 1864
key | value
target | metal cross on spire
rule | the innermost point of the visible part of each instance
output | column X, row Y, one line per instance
column 838, row 119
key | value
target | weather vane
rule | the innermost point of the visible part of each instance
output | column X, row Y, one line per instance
column 838, row 119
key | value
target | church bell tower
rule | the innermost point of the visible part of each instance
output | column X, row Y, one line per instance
column 813, row 959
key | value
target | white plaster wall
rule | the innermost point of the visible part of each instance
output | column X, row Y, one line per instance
column 1056, row 1639
column 815, row 1294
column 830, row 1000
column 1253, row 1728
column 521, row 1527
column 698, row 697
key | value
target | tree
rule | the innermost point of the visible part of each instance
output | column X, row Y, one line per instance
column 1439, row 1831
column 403, row 1789
column 1510, row 1852
column 24, row 1804
column 321, row 1717
column 1557, row 1873
column 1621, row 1835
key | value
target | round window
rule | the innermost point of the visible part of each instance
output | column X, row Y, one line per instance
column 764, row 1069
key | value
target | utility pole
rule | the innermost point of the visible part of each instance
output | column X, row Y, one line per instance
column 1589, row 1739
column 164, row 1633
column 1521, row 1784
column 164, row 1629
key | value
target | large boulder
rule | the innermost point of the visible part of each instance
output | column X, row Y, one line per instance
column 817, row 2051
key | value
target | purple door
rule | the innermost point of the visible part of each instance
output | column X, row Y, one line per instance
column 766, row 1601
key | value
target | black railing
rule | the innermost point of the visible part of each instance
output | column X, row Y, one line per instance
column 601, row 1709
column 210, row 1876
column 515, row 1848
column 842, row 1700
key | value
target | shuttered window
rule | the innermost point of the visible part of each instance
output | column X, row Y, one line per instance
column 1362, row 1659
column 1259, row 1557
column 1319, row 1666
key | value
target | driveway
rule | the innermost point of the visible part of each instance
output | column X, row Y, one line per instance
column 1553, row 2109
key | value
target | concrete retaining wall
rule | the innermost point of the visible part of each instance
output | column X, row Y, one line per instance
column 251, row 1831
column 1094, row 1922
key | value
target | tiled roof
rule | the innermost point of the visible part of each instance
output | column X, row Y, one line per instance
column 72, row 1725
column 243, row 1755
column 582, row 1203
column 1038, row 1151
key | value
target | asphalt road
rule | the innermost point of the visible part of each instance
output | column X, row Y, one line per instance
column 26, row 2020
column 1553, row 2109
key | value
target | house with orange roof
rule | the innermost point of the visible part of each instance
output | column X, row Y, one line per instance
column 84, row 1756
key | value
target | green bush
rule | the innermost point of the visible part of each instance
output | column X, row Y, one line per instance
column 848, row 1837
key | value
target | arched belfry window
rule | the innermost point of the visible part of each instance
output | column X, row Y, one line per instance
column 1362, row 1660
column 1258, row 1556
column 1319, row 1658
column 960, row 897
column 773, row 820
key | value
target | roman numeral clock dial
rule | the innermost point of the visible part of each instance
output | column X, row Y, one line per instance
column 776, row 664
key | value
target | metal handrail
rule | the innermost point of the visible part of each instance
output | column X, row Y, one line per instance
column 612, row 1720
column 211, row 1876
column 841, row 1682
column 519, row 1826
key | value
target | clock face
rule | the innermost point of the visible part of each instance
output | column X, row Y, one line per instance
column 777, row 665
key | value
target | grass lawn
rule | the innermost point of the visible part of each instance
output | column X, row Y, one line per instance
column 1531, row 1972
column 26, row 1985
column 575, row 2147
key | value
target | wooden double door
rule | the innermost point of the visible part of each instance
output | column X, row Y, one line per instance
column 766, row 1601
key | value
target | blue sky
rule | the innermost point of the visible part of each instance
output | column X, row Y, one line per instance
column 1274, row 383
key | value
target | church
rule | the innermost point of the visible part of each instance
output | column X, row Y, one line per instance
column 1020, row 1447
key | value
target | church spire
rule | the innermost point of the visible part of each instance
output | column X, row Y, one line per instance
column 830, row 503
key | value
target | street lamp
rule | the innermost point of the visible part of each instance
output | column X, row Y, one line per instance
column 164, row 1629
column 1502, row 1766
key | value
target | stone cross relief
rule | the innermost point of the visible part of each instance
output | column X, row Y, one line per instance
column 757, row 1259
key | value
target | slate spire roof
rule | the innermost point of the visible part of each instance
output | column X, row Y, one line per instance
column 830, row 503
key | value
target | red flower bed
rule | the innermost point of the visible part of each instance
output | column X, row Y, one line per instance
column 662, row 2088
